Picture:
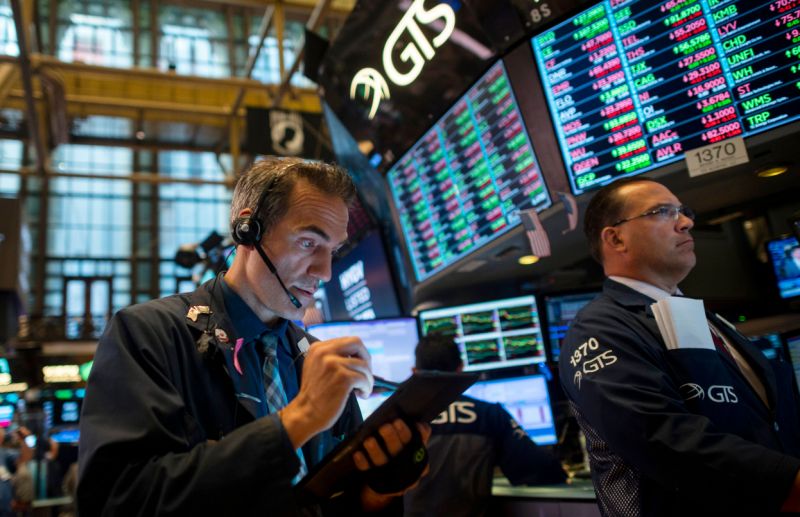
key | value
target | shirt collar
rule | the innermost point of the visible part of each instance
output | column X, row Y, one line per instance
column 244, row 320
column 649, row 290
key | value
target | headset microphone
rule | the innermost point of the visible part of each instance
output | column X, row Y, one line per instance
column 271, row 267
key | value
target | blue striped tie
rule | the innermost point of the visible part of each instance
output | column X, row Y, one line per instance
column 273, row 389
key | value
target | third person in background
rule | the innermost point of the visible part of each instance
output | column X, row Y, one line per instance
column 468, row 440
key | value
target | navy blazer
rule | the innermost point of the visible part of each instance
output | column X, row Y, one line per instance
column 169, row 428
column 677, row 432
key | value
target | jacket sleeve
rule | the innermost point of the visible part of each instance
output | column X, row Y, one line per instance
column 139, row 448
column 616, row 377
column 521, row 460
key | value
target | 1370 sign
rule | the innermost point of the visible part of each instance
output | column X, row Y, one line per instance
column 714, row 157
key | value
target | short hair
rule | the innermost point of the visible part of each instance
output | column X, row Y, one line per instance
column 274, row 178
column 437, row 352
column 605, row 208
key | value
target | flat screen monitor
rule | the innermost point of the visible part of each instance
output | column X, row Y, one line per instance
column 769, row 344
column 784, row 255
column 391, row 343
column 464, row 182
column 68, row 435
column 793, row 351
column 361, row 286
column 6, row 414
column 493, row 334
column 561, row 310
column 64, row 408
column 635, row 84
column 526, row 399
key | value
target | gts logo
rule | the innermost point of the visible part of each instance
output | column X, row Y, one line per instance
column 459, row 412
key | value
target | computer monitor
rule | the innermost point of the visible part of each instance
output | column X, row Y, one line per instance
column 526, row 399
column 793, row 351
column 463, row 184
column 361, row 286
column 784, row 254
column 493, row 334
column 390, row 342
column 6, row 414
column 66, row 435
column 769, row 344
column 561, row 310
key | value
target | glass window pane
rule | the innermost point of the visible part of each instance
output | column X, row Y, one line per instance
column 97, row 32
column 8, row 32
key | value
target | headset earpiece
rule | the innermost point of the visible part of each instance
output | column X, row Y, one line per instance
column 246, row 231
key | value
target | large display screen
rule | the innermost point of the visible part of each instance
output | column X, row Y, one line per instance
column 361, row 285
column 491, row 335
column 632, row 85
column 785, row 257
column 561, row 310
column 390, row 342
column 526, row 399
column 465, row 181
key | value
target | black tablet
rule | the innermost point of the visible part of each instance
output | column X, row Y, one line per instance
column 419, row 399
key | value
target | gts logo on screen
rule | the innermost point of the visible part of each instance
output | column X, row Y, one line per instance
column 459, row 412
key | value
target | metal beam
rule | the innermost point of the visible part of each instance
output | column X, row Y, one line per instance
column 313, row 23
column 233, row 129
column 263, row 30
column 135, row 177
column 27, row 83
column 339, row 7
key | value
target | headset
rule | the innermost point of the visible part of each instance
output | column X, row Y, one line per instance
column 248, row 230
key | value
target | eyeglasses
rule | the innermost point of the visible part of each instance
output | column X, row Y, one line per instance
column 665, row 213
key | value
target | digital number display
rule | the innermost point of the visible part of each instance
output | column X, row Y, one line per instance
column 632, row 85
column 463, row 183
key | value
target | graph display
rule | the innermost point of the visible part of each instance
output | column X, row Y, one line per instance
column 493, row 334
column 526, row 399
column 462, row 184
column 632, row 85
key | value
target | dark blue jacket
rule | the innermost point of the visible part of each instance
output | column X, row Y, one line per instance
column 677, row 432
column 168, row 428
column 468, row 440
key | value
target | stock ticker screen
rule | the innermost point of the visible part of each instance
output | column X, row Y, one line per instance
column 490, row 335
column 463, row 183
column 632, row 85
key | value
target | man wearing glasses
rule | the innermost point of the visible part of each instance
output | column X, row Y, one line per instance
column 686, row 431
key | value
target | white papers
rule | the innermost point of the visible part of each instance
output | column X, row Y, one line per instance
column 683, row 323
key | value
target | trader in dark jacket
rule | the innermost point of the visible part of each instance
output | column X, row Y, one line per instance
column 213, row 402
column 468, row 440
column 680, row 431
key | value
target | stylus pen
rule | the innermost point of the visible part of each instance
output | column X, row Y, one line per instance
column 384, row 384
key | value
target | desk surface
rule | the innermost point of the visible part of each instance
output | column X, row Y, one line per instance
column 578, row 489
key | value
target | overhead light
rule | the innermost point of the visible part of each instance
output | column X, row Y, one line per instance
column 527, row 260
column 771, row 170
